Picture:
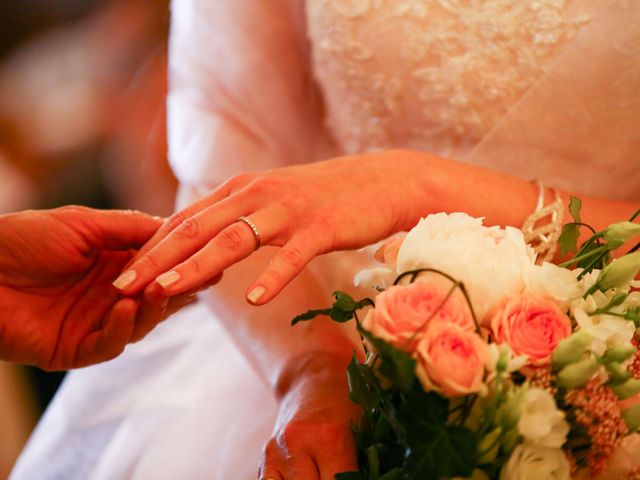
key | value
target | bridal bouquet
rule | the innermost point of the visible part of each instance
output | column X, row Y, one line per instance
column 481, row 364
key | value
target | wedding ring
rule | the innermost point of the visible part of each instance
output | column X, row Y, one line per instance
column 253, row 227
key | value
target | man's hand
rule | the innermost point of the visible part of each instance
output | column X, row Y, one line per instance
column 58, row 309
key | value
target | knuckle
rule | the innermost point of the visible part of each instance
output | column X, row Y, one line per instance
column 262, row 185
column 148, row 262
column 272, row 456
column 189, row 228
column 273, row 277
column 271, row 449
column 293, row 433
column 292, row 257
column 241, row 179
column 230, row 238
column 173, row 221
column 193, row 265
column 74, row 210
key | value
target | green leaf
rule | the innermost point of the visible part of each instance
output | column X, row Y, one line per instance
column 633, row 314
column 350, row 476
column 568, row 240
column 395, row 474
column 575, row 205
column 435, row 450
column 341, row 311
column 310, row 315
column 345, row 306
column 362, row 385
column 396, row 365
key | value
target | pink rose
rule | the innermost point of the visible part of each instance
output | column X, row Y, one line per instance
column 531, row 326
column 403, row 310
column 451, row 360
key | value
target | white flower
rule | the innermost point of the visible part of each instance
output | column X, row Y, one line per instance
column 606, row 330
column 549, row 280
column 532, row 462
column 489, row 260
column 381, row 277
column 541, row 422
column 501, row 358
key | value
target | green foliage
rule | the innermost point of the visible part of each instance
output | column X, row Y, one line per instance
column 595, row 252
column 342, row 310
column 571, row 231
column 575, row 205
column 404, row 434
column 350, row 476
column 362, row 385
column 633, row 314
column 568, row 240
column 395, row 365
column 435, row 450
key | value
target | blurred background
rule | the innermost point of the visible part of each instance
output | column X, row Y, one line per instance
column 82, row 121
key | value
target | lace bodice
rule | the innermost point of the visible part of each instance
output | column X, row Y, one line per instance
column 431, row 74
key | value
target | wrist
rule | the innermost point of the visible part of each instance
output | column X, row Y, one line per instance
column 421, row 192
column 312, row 369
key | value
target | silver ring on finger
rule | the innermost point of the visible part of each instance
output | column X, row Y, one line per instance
column 253, row 228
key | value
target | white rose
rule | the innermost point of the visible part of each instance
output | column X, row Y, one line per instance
column 489, row 260
column 549, row 280
column 532, row 462
column 541, row 422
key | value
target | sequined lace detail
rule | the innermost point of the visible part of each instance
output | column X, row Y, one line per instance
column 431, row 74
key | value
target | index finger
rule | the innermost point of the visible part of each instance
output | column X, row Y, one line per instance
column 175, row 220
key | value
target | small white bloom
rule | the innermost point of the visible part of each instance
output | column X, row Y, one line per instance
column 501, row 357
column 541, row 422
column 549, row 280
column 381, row 277
column 532, row 462
column 491, row 261
column 606, row 330
column 589, row 280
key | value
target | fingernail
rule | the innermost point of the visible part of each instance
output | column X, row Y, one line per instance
column 124, row 280
column 168, row 278
column 255, row 294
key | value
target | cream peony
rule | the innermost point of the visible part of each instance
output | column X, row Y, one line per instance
column 489, row 260
column 532, row 462
column 541, row 422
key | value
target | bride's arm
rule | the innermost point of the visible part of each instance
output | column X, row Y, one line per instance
column 340, row 204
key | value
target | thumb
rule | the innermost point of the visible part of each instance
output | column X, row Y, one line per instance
column 120, row 229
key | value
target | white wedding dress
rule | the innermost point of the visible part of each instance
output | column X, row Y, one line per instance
column 541, row 89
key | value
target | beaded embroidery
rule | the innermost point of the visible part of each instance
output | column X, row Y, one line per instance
column 435, row 74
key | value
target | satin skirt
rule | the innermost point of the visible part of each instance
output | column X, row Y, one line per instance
column 183, row 404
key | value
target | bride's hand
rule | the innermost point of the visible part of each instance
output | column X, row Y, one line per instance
column 307, row 210
column 312, row 437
